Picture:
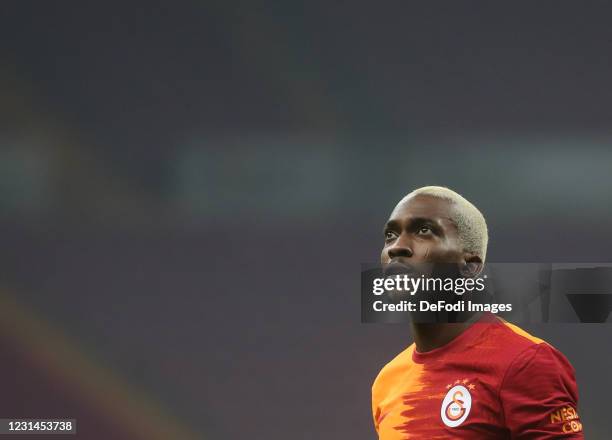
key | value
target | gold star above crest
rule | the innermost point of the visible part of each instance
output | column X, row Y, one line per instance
column 471, row 386
column 464, row 381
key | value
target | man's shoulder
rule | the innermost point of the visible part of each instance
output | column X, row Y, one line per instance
column 512, row 347
column 397, row 365
column 503, row 336
column 524, row 349
column 497, row 346
column 513, row 331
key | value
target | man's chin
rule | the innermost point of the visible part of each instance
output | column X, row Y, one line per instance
column 401, row 295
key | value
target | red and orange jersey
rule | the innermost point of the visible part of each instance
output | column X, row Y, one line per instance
column 493, row 381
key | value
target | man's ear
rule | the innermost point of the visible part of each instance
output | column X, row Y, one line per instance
column 472, row 267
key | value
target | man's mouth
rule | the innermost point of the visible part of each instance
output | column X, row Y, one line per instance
column 395, row 267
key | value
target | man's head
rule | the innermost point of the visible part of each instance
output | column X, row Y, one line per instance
column 434, row 224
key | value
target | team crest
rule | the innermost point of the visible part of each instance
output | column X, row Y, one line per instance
column 457, row 403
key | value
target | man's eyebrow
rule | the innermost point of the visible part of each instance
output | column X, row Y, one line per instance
column 391, row 224
column 421, row 220
column 412, row 222
column 396, row 224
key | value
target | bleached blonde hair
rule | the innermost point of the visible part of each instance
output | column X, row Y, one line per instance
column 471, row 224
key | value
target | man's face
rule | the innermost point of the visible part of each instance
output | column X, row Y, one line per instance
column 420, row 233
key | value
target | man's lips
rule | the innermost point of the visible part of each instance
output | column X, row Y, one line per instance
column 398, row 268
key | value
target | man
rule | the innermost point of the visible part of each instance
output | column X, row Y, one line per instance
column 481, row 378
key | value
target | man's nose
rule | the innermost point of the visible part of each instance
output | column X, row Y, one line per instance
column 400, row 249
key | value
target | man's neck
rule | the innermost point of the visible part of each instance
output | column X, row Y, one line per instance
column 429, row 336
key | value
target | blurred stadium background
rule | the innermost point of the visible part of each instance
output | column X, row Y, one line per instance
column 187, row 192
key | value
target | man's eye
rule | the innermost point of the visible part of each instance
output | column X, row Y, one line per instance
column 423, row 230
column 389, row 235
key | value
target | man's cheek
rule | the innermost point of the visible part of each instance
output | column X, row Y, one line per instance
column 422, row 252
column 439, row 254
column 427, row 249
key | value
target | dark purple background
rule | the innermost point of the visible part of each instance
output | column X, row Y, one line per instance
column 188, row 190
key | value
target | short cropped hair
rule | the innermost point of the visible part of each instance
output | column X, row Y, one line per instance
column 471, row 224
